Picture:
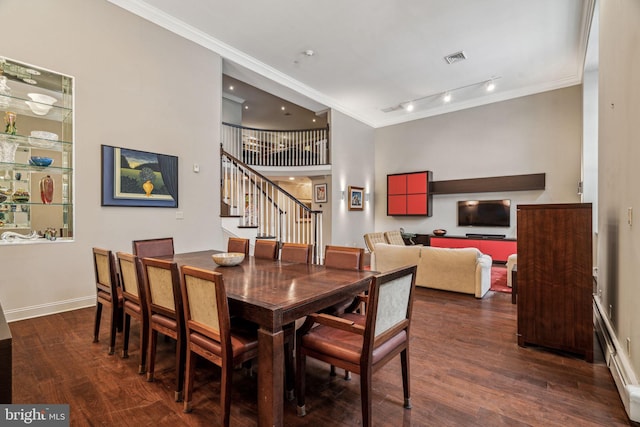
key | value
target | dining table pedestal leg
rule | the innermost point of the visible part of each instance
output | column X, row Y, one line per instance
column 270, row 378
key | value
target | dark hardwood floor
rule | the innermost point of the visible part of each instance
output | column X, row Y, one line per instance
column 466, row 370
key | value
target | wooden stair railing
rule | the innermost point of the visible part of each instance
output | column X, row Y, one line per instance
column 259, row 203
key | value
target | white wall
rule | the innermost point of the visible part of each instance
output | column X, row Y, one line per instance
column 131, row 90
column 352, row 164
column 534, row 134
column 619, row 174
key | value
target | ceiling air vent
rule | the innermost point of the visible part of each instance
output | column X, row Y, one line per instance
column 455, row 57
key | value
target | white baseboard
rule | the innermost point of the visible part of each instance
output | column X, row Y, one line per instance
column 618, row 363
column 49, row 308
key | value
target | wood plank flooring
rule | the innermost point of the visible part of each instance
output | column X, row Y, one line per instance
column 466, row 370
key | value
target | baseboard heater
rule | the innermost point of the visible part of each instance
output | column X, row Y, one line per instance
column 618, row 363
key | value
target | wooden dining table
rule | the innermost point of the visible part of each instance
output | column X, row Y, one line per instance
column 273, row 294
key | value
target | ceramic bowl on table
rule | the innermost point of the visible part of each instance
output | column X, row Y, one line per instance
column 228, row 259
column 439, row 232
column 40, row 161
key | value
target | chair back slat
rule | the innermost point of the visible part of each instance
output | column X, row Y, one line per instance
column 393, row 303
column 389, row 309
column 202, row 302
column 296, row 252
column 129, row 274
column 344, row 257
column 153, row 247
column 237, row 244
column 266, row 249
column 161, row 288
column 104, row 268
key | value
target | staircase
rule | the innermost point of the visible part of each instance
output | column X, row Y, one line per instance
column 256, row 207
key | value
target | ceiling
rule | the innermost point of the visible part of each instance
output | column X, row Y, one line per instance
column 372, row 58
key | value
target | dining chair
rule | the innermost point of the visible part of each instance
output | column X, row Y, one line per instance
column 153, row 247
column 344, row 257
column 266, row 249
column 107, row 295
column 296, row 252
column 161, row 280
column 363, row 343
column 134, row 305
column 303, row 254
column 236, row 244
column 210, row 333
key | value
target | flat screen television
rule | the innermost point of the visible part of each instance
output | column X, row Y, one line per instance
column 484, row 213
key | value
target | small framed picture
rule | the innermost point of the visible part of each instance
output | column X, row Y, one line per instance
column 356, row 198
column 320, row 193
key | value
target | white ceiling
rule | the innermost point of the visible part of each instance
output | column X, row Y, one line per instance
column 374, row 55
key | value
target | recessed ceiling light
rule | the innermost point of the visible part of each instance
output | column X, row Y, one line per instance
column 309, row 52
column 282, row 108
column 231, row 87
column 446, row 97
column 246, row 107
column 314, row 120
column 409, row 107
column 291, row 178
column 490, row 86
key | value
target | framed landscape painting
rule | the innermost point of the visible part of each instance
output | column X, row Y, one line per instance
column 138, row 178
column 356, row 198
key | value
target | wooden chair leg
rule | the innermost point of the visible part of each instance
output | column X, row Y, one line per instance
column 404, row 361
column 96, row 323
column 153, row 338
column 188, row 381
column 365, row 396
column 225, row 392
column 144, row 347
column 125, row 338
column 112, row 329
column 180, row 356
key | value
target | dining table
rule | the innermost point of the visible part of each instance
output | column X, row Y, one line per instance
column 273, row 294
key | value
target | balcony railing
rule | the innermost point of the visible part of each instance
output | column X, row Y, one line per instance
column 258, row 147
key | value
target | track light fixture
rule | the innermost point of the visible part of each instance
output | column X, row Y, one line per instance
column 446, row 96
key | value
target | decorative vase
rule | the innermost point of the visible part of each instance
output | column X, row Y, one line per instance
column 10, row 120
column 148, row 188
column 8, row 149
column 46, row 190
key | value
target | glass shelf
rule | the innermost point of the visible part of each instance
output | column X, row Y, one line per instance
column 22, row 167
column 39, row 143
column 20, row 107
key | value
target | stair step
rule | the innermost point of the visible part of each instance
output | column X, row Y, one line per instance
column 265, row 237
column 230, row 216
column 247, row 226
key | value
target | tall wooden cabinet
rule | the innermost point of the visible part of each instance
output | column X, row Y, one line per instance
column 555, row 282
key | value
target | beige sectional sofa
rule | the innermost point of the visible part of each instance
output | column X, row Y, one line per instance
column 464, row 270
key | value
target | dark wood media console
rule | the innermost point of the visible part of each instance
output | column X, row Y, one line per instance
column 498, row 249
